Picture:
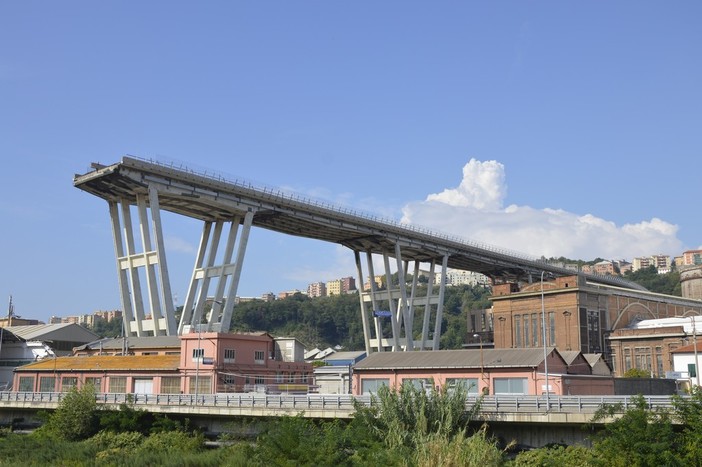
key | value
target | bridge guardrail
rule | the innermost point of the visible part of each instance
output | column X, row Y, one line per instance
column 561, row 404
column 493, row 404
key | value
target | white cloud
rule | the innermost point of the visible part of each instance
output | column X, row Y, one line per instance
column 474, row 211
column 482, row 187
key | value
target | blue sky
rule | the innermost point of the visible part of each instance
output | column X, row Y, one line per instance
column 549, row 128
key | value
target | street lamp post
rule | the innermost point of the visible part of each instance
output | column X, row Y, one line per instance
column 482, row 362
column 543, row 329
column 197, row 363
column 694, row 344
column 567, row 323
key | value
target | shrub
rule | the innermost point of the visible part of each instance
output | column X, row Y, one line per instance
column 75, row 418
column 174, row 441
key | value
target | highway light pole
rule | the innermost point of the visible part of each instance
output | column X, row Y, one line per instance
column 694, row 344
column 482, row 362
column 199, row 356
column 543, row 332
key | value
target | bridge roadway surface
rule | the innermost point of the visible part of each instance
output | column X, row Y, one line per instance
column 211, row 197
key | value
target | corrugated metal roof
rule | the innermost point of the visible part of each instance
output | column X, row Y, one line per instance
column 105, row 363
column 68, row 332
column 150, row 342
column 492, row 358
column 345, row 355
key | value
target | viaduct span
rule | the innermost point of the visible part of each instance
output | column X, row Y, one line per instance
column 229, row 209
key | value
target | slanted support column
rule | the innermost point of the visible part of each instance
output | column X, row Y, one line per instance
column 394, row 304
column 159, row 318
column 403, row 305
column 364, row 308
column 226, row 276
column 374, row 303
column 440, row 305
column 424, row 343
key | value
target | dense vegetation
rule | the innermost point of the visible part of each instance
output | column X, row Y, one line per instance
column 410, row 427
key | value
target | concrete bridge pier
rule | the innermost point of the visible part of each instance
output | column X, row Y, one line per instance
column 402, row 304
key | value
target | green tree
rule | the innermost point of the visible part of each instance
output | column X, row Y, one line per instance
column 76, row 417
column 639, row 437
column 405, row 417
column 688, row 411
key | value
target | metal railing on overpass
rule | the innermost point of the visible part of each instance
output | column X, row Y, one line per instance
column 345, row 403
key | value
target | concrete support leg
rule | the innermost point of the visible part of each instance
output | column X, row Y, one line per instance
column 364, row 308
column 403, row 304
column 440, row 306
column 159, row 318
column 213, row 312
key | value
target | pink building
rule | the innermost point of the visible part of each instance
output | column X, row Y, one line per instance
column 208, row 362
column 487, row 371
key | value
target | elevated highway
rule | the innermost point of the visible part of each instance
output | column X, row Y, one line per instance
column 215, row 200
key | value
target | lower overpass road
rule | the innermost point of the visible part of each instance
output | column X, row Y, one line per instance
column 230, row 209
column 511, row 408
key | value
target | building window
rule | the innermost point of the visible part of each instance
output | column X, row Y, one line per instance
column 228, row 379
column 613, row 356
column 627, row 359
column 371, row 385
column 26, row 384
column 204, row 384
column 279, row 377
column 642, row 358
column 526, row 331
column 259, row 357
column 198, row 354
column 118, row 384
column 510, row 385
column 470, row 384
column 68, row 382
column 534, row 328
column 229, row 355
column 259, row 380
column 552, row 327
column 47, row 384
column 418, row 383
column 518, row 331
column 170, row 385
column 659, row 362
column 291, row 377
column 96, row 382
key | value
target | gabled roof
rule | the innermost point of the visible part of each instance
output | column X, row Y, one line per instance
column 66, row 332
column 569, row 355
column 430, row 359
column 105, row 363
column 597, row 359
